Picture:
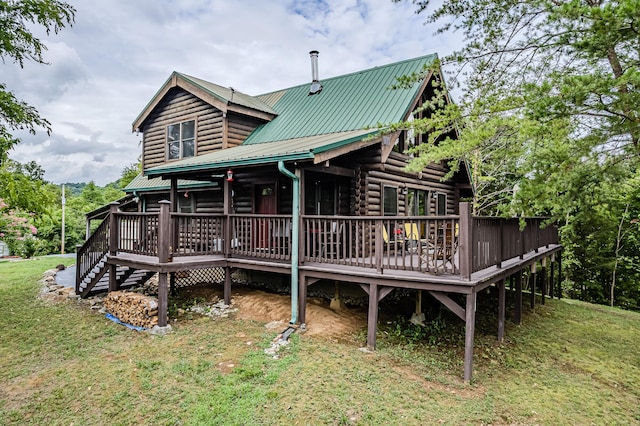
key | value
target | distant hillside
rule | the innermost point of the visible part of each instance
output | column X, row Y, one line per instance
column 74, row 188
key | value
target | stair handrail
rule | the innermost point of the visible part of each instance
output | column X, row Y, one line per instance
column 89, row 254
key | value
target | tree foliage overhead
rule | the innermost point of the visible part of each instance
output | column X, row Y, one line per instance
column 549, row 124
column 562, row 58
column 18, row 44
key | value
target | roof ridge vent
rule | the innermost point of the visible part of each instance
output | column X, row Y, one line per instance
column 316, row 87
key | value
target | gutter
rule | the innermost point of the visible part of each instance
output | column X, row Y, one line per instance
column 295, row 239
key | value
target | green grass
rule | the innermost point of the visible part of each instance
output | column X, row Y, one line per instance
column 568, row 363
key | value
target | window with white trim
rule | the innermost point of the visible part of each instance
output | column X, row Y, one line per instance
column 181, row 141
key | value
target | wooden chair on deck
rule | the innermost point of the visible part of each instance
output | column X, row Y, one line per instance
column 447, row 244
column 332, row 241
column 394, row 241
column 413, row 239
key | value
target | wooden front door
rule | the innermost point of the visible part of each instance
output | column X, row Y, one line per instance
column 266, row 203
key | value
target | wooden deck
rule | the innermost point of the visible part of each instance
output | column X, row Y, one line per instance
column 440, row 255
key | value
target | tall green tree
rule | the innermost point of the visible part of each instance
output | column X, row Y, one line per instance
column 550, row 90
column 18, row 43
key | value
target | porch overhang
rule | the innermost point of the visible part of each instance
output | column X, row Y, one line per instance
column 312, row 148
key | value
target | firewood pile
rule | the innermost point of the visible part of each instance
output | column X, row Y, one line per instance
column 132, row 308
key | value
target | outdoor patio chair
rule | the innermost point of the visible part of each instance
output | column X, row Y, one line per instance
column 395, row 241
column 332, row 240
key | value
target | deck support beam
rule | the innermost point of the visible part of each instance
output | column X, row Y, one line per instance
column 449, row 304
column 543, row 279
column 164, row 256
column 469, row 333
column 501, row 309
column 372, row 316
column 560, row 276
column 113, row 277
column 163, row 290
column 227, row 286
column 376, row 294
column 552, row 284
column 532, row 286
column 517, row 317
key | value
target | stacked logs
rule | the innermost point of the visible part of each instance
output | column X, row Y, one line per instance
column 132, row 308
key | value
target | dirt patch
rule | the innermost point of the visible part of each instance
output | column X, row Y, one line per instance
column 321, row 320
column 258, row 305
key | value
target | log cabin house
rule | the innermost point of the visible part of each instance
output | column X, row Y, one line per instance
column 306, row 183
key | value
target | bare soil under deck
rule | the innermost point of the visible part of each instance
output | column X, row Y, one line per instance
column 258, row 305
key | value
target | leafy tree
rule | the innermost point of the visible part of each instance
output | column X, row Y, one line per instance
column 550, row 92
column 129, row 173
column 19, row 44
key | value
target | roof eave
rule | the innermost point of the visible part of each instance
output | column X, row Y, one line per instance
column 168, row 171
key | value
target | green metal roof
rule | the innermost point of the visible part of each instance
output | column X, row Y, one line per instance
column 354, row 101
column 264, row 153
column 228, row 95
column 349, row 108
column 144, row 183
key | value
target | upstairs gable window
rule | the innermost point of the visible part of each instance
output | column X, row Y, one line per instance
column 181, row 140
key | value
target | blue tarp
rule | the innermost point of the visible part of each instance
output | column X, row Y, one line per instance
column 117, row 321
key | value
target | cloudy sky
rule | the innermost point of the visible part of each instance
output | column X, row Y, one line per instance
column 105, row 68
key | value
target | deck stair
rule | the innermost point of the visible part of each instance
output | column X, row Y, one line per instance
column 97, row 281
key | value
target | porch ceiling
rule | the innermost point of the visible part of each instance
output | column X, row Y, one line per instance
column 305, row 148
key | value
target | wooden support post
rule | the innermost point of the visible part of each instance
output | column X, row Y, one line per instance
column 162, row 300
column 164, row 252
column 227, row 286
column 517, row 318
column 543, row 280
column 552, row 283
column 465, row 241
column 470, row 324
column 501, row 309
column 227, row 233
column 114, row 240
column 532, row 286
column 113, row 277
column 302, row 298
column 559, row 275
column 114, row 235
column 372, row 317
column 164, row 232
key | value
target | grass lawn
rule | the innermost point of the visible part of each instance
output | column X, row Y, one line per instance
column 568, row 363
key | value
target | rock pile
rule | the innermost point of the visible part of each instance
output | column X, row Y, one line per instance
column 52, row 292
column 215, row 310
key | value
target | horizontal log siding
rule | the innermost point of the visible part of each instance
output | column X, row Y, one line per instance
column 374, row 175
column 239, row 127
column 177, row 106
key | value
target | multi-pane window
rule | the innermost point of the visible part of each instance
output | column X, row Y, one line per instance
column 390, row 200
column 181, row 140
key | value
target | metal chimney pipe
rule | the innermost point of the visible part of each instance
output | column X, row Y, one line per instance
column 316, row 87
column 314, row 65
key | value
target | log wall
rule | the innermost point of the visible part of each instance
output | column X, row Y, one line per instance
column 179, row 105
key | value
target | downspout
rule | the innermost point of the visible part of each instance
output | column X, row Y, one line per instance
column 295, row 243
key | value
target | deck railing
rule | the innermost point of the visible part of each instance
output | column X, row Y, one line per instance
column 405, row 243
column 495, row 240
column 138, row 233
column 459, row 244
column 197, row 234
column 89, row 254
column 261, row 236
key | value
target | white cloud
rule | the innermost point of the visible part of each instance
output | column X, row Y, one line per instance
column 107, row 67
